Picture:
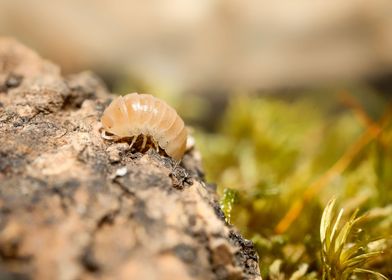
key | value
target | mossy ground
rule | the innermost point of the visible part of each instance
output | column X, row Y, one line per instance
column 278, row 161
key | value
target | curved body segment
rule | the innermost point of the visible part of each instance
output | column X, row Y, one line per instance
column 143, row 114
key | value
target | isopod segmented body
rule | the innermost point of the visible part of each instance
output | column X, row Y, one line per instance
column 135, row 114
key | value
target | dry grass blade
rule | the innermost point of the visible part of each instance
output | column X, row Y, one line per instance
column 373, row 130
column 341, row 165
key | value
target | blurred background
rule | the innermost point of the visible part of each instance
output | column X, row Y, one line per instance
column 289, row 100
column 210, row 45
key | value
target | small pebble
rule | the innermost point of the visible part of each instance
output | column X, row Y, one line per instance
column 121, row 171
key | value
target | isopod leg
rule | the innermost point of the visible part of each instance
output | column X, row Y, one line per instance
column 144, row 141
column 103, row 134
column 133, row 142
column 108, row 137
column 155, row 145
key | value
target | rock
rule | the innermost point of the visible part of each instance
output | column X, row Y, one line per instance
column 75, row 206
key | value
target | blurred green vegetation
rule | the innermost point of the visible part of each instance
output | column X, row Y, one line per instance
column 278, row 161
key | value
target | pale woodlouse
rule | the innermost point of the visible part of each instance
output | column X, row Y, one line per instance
column 135, row 115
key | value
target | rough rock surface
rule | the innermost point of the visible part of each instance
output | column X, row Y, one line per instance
column 75, row 206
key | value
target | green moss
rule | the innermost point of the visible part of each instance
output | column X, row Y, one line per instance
column 270, row 150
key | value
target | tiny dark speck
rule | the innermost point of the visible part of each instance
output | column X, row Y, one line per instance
column 13, row 80
column 218, row 212
column 185, row 252
column 89, row 261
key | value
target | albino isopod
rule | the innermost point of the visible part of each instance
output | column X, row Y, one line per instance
column 135, row 114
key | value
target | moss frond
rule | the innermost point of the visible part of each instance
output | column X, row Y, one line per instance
column 341, row 258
